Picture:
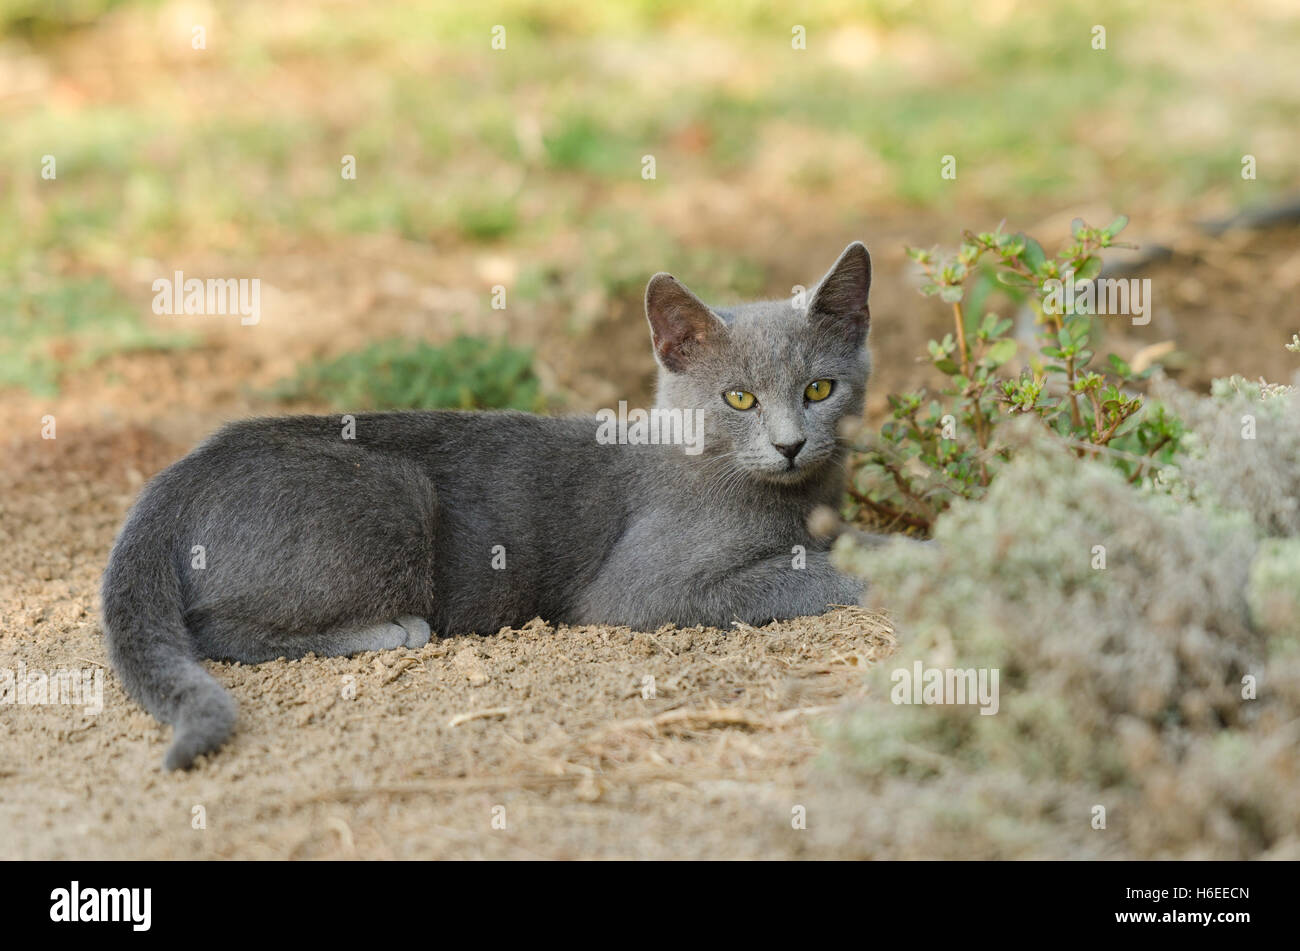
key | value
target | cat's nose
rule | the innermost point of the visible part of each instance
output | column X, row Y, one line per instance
column 789, row 449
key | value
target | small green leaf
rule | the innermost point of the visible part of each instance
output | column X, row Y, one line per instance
column 1000, row 353
column 1014, row 279
column 1034, row 256
column 1089, row 269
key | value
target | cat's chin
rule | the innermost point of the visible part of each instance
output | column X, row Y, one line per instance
column 787, row 477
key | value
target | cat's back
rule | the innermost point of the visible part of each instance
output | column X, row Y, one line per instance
column 409, row 432
column 452, row 447
column 498, row 474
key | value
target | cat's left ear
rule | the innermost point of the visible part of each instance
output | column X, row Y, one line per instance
column 839, row 304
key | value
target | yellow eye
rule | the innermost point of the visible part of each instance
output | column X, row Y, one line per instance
column 818, row 390
column 739, row 399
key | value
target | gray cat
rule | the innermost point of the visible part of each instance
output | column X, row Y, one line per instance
column 334, row 535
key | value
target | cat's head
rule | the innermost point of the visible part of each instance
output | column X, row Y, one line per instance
column 774, row 378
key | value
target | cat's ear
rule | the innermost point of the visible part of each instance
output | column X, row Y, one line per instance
column 839, row 303
column 680, row 323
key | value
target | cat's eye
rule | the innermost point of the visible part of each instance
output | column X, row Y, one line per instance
column 818, row 390
column 739, row 399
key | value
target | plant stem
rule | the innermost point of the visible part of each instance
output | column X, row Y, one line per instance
column 1096, row 414
column 961, row 339
column 1151, row 456
column 885, row 511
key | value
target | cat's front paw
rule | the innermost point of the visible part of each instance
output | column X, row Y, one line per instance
column 847, row 591
column 417, row 630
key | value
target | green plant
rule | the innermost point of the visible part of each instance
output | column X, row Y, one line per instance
column 54, row 326
column 1146, row 646
column 487, row 220
column 933, row 451
column 46, row 20
column 465, row 373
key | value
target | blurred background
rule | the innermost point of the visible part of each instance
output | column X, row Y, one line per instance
column 522, row 168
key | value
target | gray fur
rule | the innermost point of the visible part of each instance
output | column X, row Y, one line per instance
column 316, row 543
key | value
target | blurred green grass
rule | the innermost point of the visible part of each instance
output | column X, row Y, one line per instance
column 32, row 318
column 465, row 373
column 237, row 148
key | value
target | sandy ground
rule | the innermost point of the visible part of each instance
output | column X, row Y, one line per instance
column 555, row 751
column 531, row 743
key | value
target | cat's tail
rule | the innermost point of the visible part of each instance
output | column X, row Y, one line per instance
column 152, row 651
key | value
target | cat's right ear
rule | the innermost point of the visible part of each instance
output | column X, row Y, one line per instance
column 680, row 323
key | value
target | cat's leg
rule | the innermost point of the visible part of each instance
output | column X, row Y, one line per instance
column 235, row 642
column 406, row 631
column 378, row 637
column 778, row 587
column 773, row 589
column 417, row 630
column 330, row 550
